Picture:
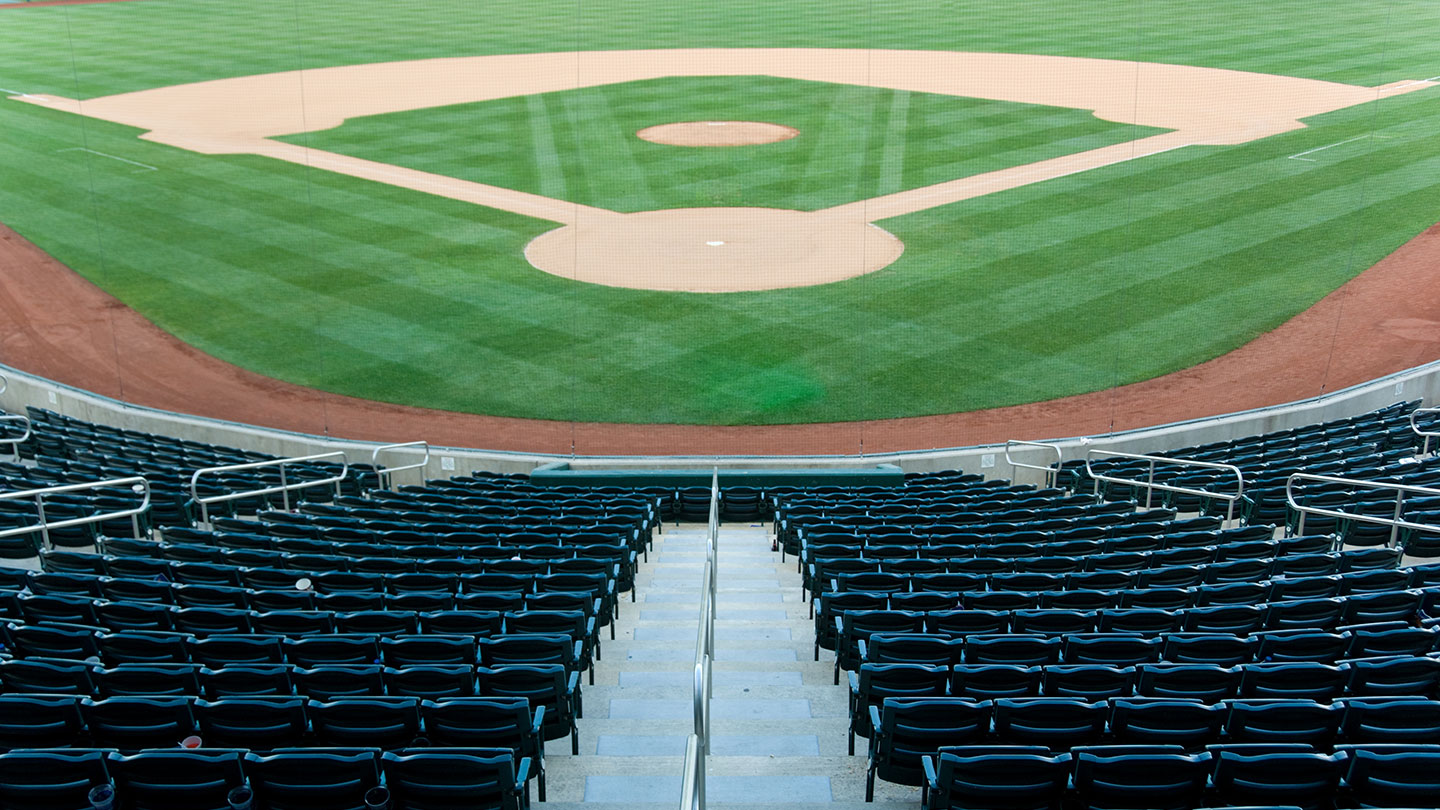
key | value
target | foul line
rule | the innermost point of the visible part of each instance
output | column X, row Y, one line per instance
column 1410, row 84
column 145, row 166
column 1300, row 155
column 9, row 92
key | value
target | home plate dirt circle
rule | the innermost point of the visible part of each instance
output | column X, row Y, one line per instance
column 717, row 133
column 714, row 250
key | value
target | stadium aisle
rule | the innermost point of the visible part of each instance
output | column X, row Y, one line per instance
column 778, row 721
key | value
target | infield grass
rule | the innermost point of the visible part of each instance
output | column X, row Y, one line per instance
column 854, row 142
column 1071, row 285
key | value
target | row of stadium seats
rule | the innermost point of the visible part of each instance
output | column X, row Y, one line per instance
column 320, row 780
column 1180, row 781
column 1211, row 683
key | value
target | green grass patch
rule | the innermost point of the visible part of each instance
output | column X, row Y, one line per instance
column 855, row 142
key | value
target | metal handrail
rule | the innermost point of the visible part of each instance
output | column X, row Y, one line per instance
column 384, row 474
column 1414, row 426
column 137, row 484
column 702, row 681
column 712, row 545
column 1394, row 522
column 4, row 383
column 285, row 487
column 16, row 441
column 1051, row 471
column 1151, row 486
column 697, row 746
column 692, row 790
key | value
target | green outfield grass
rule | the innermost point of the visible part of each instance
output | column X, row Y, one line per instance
column 854, row 142
column 1071, row 285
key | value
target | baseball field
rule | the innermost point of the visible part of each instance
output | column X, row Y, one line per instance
column 863, row 210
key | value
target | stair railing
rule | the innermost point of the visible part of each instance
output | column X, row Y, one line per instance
column 136, row 484
column 1150, row 485
column 697, row 745
column 1052, row 471
column 1395, row 522
column 285, row 488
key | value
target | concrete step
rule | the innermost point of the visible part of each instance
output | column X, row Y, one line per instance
column 778, row 722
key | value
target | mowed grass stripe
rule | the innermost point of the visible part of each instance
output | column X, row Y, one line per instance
column 602, row 149
column 550, row 173
column 892, row 157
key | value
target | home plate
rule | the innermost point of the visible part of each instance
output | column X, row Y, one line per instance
column 714, row 244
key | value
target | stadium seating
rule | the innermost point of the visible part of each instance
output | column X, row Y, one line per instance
column 1005, row 646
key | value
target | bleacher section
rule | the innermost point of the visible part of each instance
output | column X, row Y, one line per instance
column 1007, row 646
column 440, row 632
column 1003, row 646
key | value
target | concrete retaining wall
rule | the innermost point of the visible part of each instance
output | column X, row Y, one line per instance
column 1422, row 383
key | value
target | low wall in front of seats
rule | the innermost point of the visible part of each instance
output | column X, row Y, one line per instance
column 563, row 474
column 1421, row 382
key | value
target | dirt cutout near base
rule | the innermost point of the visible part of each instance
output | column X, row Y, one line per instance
column 717, row 133
column 65, row 328
column 241, row 116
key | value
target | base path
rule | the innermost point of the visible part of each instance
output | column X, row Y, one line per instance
column 61, row 326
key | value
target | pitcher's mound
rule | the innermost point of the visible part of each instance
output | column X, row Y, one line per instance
column 717, row 133
column 714, row 249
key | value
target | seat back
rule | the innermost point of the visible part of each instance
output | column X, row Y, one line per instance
column 312, row 780
column 909, row 728
column 1283, row 721
column 1394, row 779
column 39, row 721
column 47, row 780
column 484, row 778
column 1000, row 781
column 255, row 723
column 1165, row 722
column 379, row 722
column 176, row 779
column 1303, row 780
column 1057, row 723
column 1141, row 781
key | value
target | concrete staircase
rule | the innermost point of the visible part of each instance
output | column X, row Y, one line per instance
column 779, row 724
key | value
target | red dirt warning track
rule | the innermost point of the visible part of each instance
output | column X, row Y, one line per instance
column 61, row 326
